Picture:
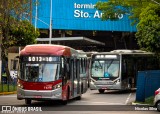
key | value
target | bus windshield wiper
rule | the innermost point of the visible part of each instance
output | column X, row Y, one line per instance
column 43, row 66
column 110, row 63
column 100, row 65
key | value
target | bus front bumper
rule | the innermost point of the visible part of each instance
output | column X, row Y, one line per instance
column 105, row 87
column 39, row 94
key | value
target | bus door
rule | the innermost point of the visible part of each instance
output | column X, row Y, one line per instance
column 78, row 75
column 75, row 77
column 75, row 81
column 128, row 71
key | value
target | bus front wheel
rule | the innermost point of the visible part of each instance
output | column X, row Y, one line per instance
column 64, row 102
column 79, row 97
column 101, row 90
column 28, row 101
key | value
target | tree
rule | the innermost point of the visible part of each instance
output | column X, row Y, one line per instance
column 24, row 33
column 112, row 8
column 12, row 27
column 144, row 13
column 148, row 28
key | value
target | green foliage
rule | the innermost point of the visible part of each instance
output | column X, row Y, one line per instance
column 144, row 13
column 148, row 28
column 14, row 31
column 148, row 101
column 113, row 8
column 8, row 87
column 24, row 33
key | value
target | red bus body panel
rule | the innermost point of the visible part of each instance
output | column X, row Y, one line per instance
column 39, row 85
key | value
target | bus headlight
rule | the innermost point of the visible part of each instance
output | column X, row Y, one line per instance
column 117, row 81
column 92, row 82
column 20, row 85
column 57, row 86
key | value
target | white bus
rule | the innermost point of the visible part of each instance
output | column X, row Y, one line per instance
column 117, row 70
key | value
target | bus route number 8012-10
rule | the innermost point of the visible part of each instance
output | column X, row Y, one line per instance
column 40, row 59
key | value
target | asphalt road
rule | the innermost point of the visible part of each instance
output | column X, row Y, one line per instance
column 111, row 102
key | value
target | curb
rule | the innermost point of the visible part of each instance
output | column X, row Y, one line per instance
column 133, row 103
column 8, row 93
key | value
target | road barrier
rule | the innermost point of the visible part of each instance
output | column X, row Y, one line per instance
column 147, row 83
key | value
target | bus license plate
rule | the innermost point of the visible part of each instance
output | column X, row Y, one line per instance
column 37, row 96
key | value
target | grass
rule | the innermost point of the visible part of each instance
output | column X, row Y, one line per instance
column 7, row 88
column 148, row 101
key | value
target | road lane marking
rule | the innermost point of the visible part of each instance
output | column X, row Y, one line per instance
column 127, row 100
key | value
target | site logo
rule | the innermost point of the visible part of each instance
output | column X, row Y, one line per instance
column 13, row 109
column 6, row 109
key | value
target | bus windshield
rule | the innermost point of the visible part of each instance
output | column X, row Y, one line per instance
column 105, row 68
column 41, row 72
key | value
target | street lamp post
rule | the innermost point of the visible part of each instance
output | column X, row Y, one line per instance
column 36, row 16
column 50, row 27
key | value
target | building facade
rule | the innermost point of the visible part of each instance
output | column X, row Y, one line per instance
column 76, row 18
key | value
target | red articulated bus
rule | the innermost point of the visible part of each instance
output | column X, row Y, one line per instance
column 49, row 72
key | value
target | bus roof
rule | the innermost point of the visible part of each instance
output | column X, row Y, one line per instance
column 82, row 53
column 131, row 52
column 125, row 52
column 128, row 51
column 48, row 49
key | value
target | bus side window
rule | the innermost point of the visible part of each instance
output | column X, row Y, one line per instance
column 74, row 68
column 81, row 66
column 124, row 69
column 67, row 67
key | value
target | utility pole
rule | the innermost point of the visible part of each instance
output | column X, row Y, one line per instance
column 50, row 27
column 36, row 16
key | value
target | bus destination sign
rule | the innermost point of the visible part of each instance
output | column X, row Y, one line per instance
column 40, row 59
